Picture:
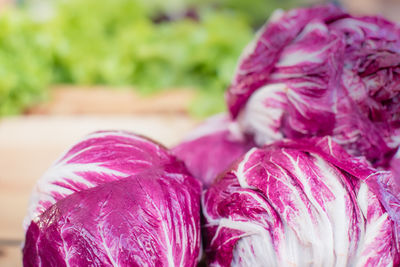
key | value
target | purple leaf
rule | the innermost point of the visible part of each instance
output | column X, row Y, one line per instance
column 212, row 148
column 148, row 219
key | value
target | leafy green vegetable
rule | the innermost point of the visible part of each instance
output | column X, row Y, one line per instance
column 147, row 44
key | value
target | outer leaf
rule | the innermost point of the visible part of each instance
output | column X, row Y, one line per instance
column 259, row 58
column 212, row 148
column 148, row 219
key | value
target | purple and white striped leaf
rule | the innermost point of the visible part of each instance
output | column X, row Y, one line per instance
column 381, row 183
column 100, row 158
column 287, row 204
column 147, row 219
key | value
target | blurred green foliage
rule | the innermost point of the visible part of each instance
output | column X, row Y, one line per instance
column 150, row 45
column 24, row 63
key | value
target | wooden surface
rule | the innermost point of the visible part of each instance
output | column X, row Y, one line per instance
column 29, row 144
column 10, row 255
column 66, row 99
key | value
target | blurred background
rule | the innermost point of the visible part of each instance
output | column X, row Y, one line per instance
column 70, row 67
column 150, row 46
column 146, row 46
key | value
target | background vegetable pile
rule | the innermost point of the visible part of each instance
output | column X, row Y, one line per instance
column 149, row 45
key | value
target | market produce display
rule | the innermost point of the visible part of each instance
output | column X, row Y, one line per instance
column 303, row 171
column 114, row 199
